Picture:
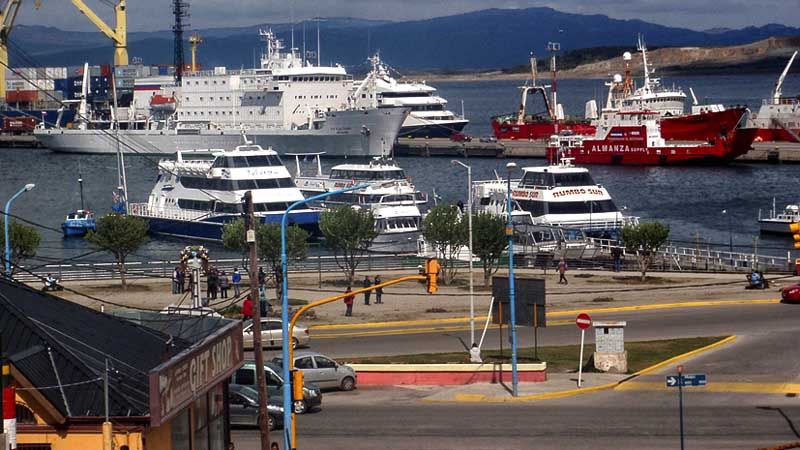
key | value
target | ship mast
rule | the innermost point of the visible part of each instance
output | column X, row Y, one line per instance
column 643, row 48
column 553, row 48
column 180, row 11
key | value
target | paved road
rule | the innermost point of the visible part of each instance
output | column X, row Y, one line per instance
column 641, row 325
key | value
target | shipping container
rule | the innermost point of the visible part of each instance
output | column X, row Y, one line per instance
column 18, row 125
column 60, row 84
column 21, row 96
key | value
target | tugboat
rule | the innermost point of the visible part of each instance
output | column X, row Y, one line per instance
column 539, row 125
column 79, row 222
column 778, row 223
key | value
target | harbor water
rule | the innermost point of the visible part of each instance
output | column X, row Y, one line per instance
column 689, row 199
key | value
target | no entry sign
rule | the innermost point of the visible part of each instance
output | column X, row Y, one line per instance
column 583, row 321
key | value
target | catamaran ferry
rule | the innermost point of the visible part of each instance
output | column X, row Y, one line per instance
column 201, row 190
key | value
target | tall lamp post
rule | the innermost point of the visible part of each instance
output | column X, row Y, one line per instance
column 730, row 233
column 288, row 418
column 511, row 290
column 6, row 220
column 471, row 253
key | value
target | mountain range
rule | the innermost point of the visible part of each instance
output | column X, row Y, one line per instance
column 487, row 39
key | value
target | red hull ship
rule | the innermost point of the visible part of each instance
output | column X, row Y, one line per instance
column 778, row 119
column 635, row 139
column 702, row 126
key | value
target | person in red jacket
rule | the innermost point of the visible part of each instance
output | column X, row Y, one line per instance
column 247, row 308
column 348, row 302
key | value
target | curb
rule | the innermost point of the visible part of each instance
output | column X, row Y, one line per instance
column 570, row 312
column 481, row 398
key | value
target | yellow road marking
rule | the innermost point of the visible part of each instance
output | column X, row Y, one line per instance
column 729, row 387
column 571, row 312
column 480, row 398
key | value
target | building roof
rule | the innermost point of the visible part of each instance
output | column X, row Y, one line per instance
column 61, row 348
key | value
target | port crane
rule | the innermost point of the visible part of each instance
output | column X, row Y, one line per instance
column 9, row 15
column 119, row 34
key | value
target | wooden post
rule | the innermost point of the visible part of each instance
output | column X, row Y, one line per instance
column 258, row 348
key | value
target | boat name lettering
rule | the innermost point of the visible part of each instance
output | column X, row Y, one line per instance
column 577, row 191
column 524, row 193
column 616, row 148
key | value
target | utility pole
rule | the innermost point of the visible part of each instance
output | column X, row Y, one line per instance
column 258, row 349
column 108, row 440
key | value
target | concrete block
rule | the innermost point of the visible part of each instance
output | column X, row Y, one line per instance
column 616, row 362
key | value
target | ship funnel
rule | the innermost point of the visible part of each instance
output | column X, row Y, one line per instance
column 590, row 112
column 627, row 56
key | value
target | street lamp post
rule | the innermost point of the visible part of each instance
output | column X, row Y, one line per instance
column 288, row 418
column 6, row 220
column 511, row 289
column 730, row 234
column 471, row 254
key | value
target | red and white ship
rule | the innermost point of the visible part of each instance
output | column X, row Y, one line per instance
column 703, row 123
column 634, row 138
column 778, row 119
column 541, row 124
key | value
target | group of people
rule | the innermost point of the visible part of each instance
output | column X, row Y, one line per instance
column 366, row 283
column 217, row 282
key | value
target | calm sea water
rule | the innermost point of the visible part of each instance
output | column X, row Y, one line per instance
column 689, row 199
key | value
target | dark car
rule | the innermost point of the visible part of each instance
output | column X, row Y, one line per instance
column 246, row 376
column 243, row 406
column 460, row 137
column 791, row 294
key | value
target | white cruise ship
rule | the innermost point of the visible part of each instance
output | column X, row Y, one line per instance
column 287, row 104
column 394, row 201
column 429, row 116
column 201, row 190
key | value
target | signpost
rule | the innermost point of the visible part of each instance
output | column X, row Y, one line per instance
column 583, row 321
column 679, row 381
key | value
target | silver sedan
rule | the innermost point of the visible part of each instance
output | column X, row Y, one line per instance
column 272, row 334
column 323, row 371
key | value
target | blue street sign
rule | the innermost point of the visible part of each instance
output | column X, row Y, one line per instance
column 686, row 380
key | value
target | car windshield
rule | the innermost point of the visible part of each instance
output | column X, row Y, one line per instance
column 248, row 392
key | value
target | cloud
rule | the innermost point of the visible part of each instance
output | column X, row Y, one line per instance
column 149, row 15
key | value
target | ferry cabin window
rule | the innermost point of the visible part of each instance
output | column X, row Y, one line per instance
column 368, row 174
column 535, row 208
column 248, row 161
column 601, row 206
column 217, row 184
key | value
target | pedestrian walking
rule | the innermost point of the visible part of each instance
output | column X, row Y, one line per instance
column 182, row 280
column 224, row 283
column 366, row 283
column 247, row 308
column 348, row 302
column 175, row 275
column 236, row 279
column 378, row 291
column 616, row 252
column 211, row 284
column 262, row 282
column 562, row 272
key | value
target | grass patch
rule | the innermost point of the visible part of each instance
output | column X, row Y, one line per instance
column 562, row 358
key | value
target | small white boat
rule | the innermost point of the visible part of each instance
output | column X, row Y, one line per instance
column 779, row 222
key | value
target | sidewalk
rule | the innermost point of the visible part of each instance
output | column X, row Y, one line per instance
column 557, row 385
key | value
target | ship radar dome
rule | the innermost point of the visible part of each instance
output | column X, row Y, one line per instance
column 627, row 56
column 617, row 78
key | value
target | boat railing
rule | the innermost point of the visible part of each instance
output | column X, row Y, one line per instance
column 166, row 212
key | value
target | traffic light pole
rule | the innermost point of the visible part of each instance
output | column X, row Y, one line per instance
column 288, row 419
column 430, row 278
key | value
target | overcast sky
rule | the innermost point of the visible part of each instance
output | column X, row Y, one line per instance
column 149, row 15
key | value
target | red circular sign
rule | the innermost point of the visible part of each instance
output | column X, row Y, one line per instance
column 583, row 321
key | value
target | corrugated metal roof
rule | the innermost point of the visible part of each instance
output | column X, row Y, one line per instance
column 35, row 325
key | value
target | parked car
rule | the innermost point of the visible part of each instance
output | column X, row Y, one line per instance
column 246, row 376
column 488, row 139
column 460, row 137
column 272, row 334
column 791, row 294
column 243, row 407
column 323, row 371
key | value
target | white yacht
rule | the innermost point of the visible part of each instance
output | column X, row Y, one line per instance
column 201, row 190
column 778, row 223
column 429, row 116
column 394, row 201
column 286, row 103
column 558, row 195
